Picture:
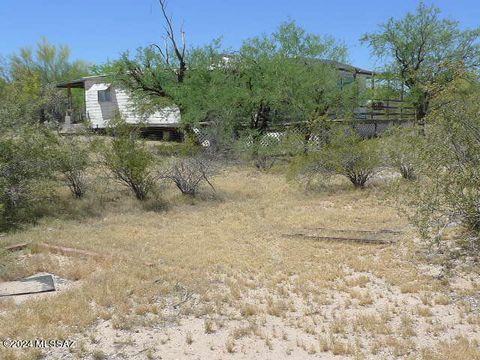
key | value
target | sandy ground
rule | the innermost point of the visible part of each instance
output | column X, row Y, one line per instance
column 393, row 325
column 220, row 278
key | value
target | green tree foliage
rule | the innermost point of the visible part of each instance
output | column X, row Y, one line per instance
column 419, row 48
column 284, row 76
column 149, row 80
column 275, row 79
column 450, row 161
column 129, row 159
column 28, row 93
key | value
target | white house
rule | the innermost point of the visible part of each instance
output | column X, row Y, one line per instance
column 103, row 102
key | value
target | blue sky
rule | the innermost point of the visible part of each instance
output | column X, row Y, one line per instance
column 100, row 29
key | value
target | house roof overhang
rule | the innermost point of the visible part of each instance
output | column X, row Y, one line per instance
column 348, row 68
column 78, row 83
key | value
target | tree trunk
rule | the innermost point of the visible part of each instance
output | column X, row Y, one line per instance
column 421, row 112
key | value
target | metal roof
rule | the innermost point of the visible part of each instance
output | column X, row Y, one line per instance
column 80, row 83
column 337, row 64
column 347, row 67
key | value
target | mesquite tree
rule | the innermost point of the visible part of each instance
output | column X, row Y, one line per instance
column 30, row 77
column 273, row 79
column 419, row 47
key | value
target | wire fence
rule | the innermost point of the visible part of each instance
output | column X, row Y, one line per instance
column 368, row 121
column 297, row 136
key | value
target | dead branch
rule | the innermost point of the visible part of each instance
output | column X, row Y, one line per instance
column 179, row 51
column 188, row 173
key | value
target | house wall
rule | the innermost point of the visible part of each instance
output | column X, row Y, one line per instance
column 99, row 113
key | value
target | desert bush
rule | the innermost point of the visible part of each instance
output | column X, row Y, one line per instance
column 305, row 169
column 72, row 160
column 351, row 156
column 345, row 153
column 26, row 165
column 450, row 163
column 188, row 173
column 129, row 159
column 400, row 149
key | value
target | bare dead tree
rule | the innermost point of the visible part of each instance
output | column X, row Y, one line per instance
column 188, row 173
column 170, row 40
column 146, row 73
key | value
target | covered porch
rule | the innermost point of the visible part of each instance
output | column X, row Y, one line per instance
column 75, row 114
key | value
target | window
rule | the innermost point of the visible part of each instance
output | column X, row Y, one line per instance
column 105, row 95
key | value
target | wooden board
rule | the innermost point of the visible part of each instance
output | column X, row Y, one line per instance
column 381, row 236
column 380, row 231
column 338, row 238
column 17, row 247
column 67, row 251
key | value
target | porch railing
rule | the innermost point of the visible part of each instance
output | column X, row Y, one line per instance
column 386, row 110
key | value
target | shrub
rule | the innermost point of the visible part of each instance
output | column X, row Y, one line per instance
column 188, row 173
column 345, row 153
column 400, row 149
column 129, row 159
column 450, row 163
column 72, row 160
column 351, row 156
column 303, row 168
column 26, row 163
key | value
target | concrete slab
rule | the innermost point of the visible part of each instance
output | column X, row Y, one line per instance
column 31, row 285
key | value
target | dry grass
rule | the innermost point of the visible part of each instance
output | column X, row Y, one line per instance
column 222, row 260
column 461, row 348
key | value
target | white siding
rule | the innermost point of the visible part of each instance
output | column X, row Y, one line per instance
column 100, row 112
column 168, row 115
